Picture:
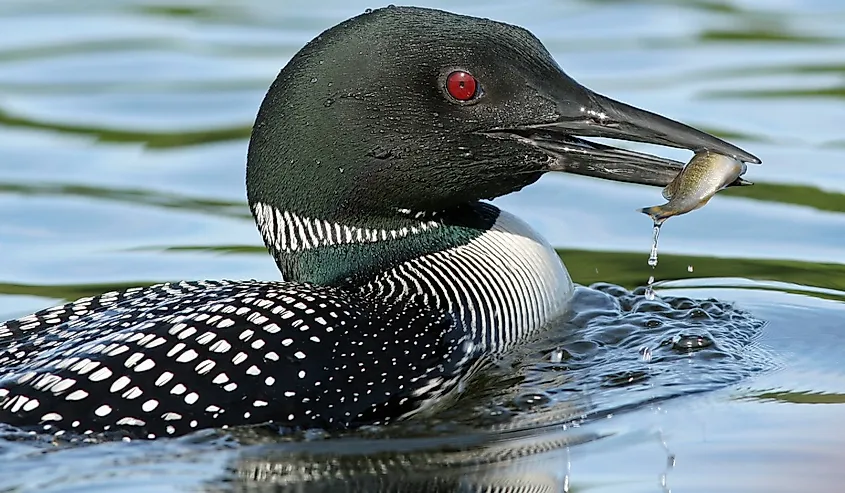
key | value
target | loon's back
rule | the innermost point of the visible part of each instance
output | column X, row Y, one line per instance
column 172, row 358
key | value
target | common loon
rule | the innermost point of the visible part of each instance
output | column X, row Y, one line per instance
column 367, row 168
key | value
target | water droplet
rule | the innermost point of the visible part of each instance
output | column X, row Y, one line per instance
column 698, row 313
column 689, row 268
column 530, row 400
column 690, row 343
column 556, row 356
column 652, row 258
column 625, row 378
column 649, row 289
column 381, row 153
column 645, row 354
column 313, row 80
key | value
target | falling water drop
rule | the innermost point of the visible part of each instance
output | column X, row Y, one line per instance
column 649, row 289
column 652, row 258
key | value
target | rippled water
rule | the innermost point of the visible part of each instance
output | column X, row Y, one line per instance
column 123, row 127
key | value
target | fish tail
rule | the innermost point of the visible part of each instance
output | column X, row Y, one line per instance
column 657, row 212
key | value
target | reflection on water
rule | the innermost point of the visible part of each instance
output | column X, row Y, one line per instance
column 123, row 127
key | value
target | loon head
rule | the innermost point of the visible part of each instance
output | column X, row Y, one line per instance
column 409, row 109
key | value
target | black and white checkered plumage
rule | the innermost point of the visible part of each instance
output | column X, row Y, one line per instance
column 172, row 358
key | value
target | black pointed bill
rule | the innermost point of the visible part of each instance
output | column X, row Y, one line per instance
column 584, row 113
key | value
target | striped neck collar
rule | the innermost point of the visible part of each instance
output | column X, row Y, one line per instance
column 285, row 231
column 349, row 251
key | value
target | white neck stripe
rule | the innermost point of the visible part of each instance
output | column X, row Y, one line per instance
column 286, row 231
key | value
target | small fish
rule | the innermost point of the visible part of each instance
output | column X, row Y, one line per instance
column 697, row 183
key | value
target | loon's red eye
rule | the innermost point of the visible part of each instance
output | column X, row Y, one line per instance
column 461, row 85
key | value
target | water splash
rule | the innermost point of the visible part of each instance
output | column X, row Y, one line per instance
column 645, row 354
column 652, row 259
column 670, row 464
column 649, row 288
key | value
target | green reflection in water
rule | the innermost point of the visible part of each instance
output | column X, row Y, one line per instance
column 780, row 69
column 133, row 196
column 83, row 48
column 193, row 11
column 803, row 195
column 713, row 6
column 818, row 92
column 737, row 135
column 586, row 267
column 147, row 138
column 797, row 397
column 66, row 292
column 133, row 89
column 630, row 269
column 776, row 34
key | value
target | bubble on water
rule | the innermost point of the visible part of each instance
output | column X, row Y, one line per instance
column 625, row 378
column 690, row 343
column 531, row 400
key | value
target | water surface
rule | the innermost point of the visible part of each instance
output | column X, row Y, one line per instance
column 123, row 127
